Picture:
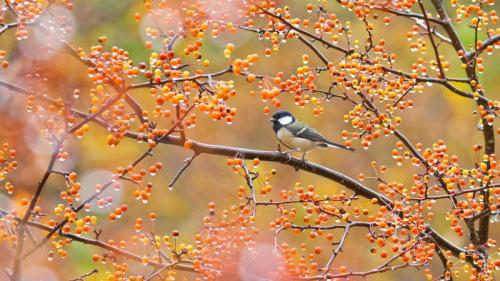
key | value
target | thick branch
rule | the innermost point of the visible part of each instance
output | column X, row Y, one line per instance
column 490, row 41
column 488, row 130
column 272, row 156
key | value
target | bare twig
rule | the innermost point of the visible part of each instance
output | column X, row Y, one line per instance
column 431, row 38
column 439, row 35
column 8, row 26
column 187, row 163
column 82, row 278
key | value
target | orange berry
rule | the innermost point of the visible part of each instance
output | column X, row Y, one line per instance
column 317, row 250
column 188, row 144
column 251, row 77
column 152, row 216
column 268, row 52
column 24, row 202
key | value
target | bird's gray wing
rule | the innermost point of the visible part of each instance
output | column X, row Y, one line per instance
column 301, row 130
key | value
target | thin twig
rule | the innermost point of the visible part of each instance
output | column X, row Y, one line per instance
column 187, row 163
column 82, row 278
column 16, row 270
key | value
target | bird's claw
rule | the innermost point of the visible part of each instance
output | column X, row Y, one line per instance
column 304, row 158
column 285, row 153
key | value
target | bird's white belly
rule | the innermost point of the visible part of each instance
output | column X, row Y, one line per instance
column 288, row 139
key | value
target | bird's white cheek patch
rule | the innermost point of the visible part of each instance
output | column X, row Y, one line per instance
column 285, row 120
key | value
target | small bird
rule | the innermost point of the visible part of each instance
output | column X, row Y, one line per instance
column 298, row 136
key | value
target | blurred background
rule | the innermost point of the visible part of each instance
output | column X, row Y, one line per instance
column 437, row 114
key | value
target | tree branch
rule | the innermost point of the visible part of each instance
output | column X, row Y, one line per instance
column 306, row 33
column 488, row 130
column 187, row 163
column 490, row 41
column 278, row 157
column 182, row 266
column 16, row 271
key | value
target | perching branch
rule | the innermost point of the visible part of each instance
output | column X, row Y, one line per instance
column 278, row 157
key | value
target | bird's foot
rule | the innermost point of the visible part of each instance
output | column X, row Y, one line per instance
column 304, row 158
column 285, row 153
column 304, row 161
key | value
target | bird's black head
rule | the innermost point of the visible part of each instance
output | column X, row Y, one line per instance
column 281, row 118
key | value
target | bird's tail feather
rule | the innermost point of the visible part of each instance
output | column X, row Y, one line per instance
column 338, row 145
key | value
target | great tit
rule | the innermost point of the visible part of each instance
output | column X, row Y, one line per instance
column 298, row 136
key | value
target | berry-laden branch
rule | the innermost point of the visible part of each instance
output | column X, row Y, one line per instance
column 181, row 265
column 108, row 184
column 276, row 156
column 442, row 80
column 386, row 266
column 327, row 271
column 362, row 73
column 487, row 44
column 470, row 69
column 306, row 33
column 271, row 156
column 16, row 271
column 487, row 125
